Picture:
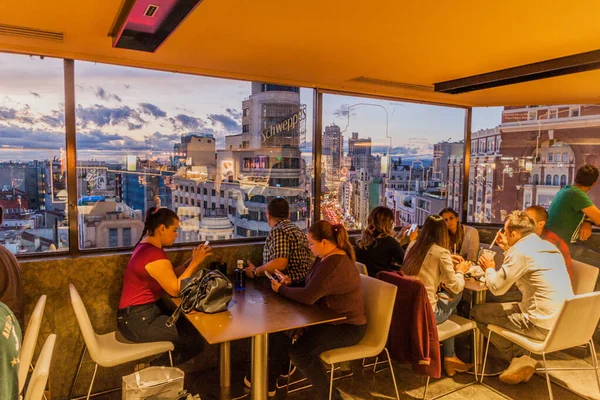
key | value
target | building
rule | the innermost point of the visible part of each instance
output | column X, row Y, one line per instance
column 359, row 151
column 333, row 147
column 107, row 224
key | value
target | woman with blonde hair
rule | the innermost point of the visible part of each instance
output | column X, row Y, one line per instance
column 428, row 259
column 378, row 248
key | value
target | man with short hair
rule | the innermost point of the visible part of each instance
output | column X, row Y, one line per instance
column 11, row 283
column 286, row 247
column 539, row 215
column 538, row 269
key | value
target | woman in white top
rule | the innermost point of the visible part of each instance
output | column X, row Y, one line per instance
column 428, row 259
column 464, row 240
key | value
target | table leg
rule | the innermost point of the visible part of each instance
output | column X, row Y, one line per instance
column 225, row 364
column 260, row 351
column 479, row 298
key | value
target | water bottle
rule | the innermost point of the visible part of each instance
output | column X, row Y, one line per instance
column 240, row 276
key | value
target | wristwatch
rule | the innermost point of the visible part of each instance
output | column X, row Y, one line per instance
column 254, row 272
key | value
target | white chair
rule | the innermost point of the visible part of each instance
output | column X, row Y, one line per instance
column 37, row 385
column 574, row 326
column 584, row 277
column 362, row 268
column 30, row 340
column 454, row 326
column 379, row 305
column 105, row 350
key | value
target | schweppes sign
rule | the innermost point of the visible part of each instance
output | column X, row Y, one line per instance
column 285, row 125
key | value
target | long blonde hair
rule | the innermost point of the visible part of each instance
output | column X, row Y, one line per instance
column 336, row 234
column 434, row 231
column 381, row 224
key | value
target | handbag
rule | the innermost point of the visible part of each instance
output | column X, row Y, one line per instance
column 207, row 291
column 162, row 382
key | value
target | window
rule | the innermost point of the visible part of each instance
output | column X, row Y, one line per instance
column 536, row 179
column 565, row 157
column 33, row 172
column 556, row 181
column 245, row 112
column 550, row 157
column 552, row 113
column 563, row 180
column 548, row 179
column 574, row 112
column 205, row 191
column 126, row 236
column 245, row 128
column 532, row 115
column 113, row 237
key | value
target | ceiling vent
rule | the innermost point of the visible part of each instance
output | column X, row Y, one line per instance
column 401, row 85
column 20, row 31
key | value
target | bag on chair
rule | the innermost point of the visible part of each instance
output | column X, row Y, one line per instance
column 207, row 291
column 162, row 382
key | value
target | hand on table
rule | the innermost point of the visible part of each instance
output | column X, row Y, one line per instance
column 485, row 263
column 585, row 231
column 456, row 259
column 463, row 266
column 249, row 269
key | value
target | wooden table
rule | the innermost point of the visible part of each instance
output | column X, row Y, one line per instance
column 255, row 312
column 479, row 290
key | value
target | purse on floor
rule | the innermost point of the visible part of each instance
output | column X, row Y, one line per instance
column 209, row 291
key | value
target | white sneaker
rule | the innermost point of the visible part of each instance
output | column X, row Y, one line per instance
column 520, row 369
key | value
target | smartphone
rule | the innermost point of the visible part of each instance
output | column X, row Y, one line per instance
column 412, row 228
column 271, row 277
column 206, row 243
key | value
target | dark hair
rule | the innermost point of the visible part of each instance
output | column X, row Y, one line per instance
column 279, row 208
column 336, row 234
column 155, row 217
column 458, row 237
column 434, row 231
column 381, row 224
column 519, row 221
column 539, row 211
column 586, row 175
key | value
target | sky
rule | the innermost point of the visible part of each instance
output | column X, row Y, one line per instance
column 122, row 110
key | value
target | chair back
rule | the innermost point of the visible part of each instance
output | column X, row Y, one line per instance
column 584, row 277
column 362, row 268
column 85, row 325
column 576, row 322
column 380, row 298
column 30, row 340
column 37, row 384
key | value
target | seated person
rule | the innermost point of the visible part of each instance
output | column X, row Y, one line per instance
column 334, row 282
column 539, row 271
column 464, row 240
column 149, row 274
column 10, row 345
column 377, row 247
column 428, row 259
column 11, row 283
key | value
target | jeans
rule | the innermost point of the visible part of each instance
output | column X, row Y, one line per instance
column 147, row 323
column 443, row 309
column 509, row 316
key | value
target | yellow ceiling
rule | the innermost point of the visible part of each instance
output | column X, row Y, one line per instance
column 325, row 43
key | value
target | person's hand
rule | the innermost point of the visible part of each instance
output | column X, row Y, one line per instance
column 501, row 241
column 414, row 234
column 275, row 285
column 463, row 267
column 249, row 270
column 585, row 231
column 199, row 254
column 456, row 258
column 283, row 279
column 485, row 263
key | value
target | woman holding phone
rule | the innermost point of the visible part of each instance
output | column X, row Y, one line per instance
column 428, row 259
column 149, row 274
column 464, row 240
column 378, row 247
column 333, row 281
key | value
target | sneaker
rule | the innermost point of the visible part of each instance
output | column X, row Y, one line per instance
column 271, row 392
column 520, row 369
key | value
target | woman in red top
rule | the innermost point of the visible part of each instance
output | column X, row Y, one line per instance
column 149, row 274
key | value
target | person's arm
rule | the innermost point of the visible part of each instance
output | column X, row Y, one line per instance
column 593, row 213
column 163, row 272
column 472, row 244
column 453, row 281
column 179, row 270
column 396, row 251
column 514, row 266
column 319, row 285
column 279, row 253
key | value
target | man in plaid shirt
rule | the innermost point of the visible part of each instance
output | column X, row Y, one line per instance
column 286, row 248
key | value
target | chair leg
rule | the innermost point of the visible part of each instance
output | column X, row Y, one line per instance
column 78, row 371
column 475, row 355
column 426, row 386
column 171, row 358
column 595, row 361
column 392, row 371
column 547, row 377
column 92, row 382
column 487, row 348
column 287, row 386
column 331, row 381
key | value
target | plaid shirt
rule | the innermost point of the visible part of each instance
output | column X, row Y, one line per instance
column 286, row 240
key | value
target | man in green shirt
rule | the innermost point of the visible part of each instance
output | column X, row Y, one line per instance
column 10, row 346
column 571, row 212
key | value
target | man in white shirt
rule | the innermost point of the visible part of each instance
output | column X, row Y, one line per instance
column 538, row 269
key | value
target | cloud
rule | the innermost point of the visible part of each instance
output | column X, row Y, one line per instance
column 104, row 95
column 35, row 94
column 101, row 116
column 23, row 116
column 17, row 136
column 8, row 113
column 186, row 122
column 151, row 109
column 235, row 114
column 133, row 127
column 227, row 122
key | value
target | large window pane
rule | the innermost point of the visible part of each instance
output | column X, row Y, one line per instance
column 403, row 155
column 213, row 150
column 538, row 151
column 32, row 154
